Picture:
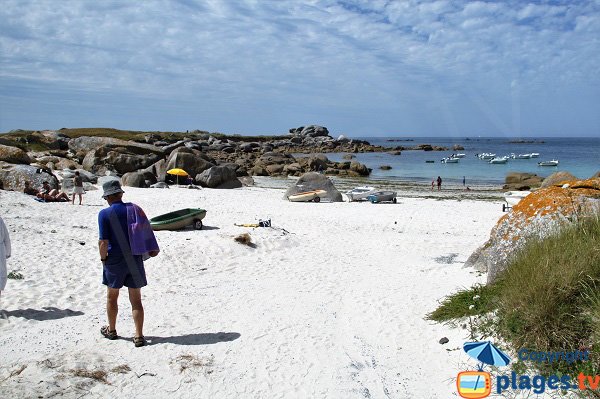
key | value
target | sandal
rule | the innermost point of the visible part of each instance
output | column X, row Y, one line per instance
column 109, row 334
column 139, row 341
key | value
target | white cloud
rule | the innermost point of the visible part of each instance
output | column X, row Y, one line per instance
column 317, row 57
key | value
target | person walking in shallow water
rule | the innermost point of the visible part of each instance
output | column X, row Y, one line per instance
column 439, row 183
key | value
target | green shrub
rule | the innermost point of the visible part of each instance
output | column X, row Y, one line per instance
column 548, row 299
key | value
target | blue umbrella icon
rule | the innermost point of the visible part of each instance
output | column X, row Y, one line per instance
column 487, row 353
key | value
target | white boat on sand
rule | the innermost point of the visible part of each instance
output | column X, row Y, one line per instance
column 360, row 193
column 512, row 198
column 306, row 196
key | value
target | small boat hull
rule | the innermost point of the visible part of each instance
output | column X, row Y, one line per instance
column 360, row 193
column 382, row 196
column 450, row 160
column 512, row 198
column 498, row 161
column 548, row 163
column 307, row 196
column 179, row 219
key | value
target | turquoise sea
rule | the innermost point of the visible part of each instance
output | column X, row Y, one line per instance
column 579, row 156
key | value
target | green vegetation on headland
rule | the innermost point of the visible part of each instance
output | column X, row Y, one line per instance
column 136, row 135
column 547, row 300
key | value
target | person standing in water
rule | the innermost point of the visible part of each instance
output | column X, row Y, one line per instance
column 439, row 183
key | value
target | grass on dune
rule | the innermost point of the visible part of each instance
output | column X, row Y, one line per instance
column 548, row 299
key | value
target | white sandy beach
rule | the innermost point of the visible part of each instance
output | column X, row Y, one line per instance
column 333, row 309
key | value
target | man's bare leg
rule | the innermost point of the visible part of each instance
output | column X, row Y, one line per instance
column 112, row 307
column 137, row 310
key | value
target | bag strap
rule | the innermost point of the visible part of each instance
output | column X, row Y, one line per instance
column 125, row 246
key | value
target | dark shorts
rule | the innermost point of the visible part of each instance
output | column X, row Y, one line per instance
column 118, row 272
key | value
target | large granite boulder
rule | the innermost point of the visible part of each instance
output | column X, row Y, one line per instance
column 314, row 181
column 192, row 161
column 539, row 215
column 522, row 181
column 51, row 139
column 138, row 178
column 117, row 159
column 90, row 143
column 264, row 166
column 219, row 177
column 158, row 169
column 13, row 155
column 13, row 177
column 557, row 178
column 314, row 163
column 310, row 131
column 358, row 169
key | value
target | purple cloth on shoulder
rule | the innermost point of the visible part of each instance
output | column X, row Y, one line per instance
column 141, row 236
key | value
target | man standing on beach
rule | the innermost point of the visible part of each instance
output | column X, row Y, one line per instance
column 464, row 181
column 120, row 266
column 439, row 183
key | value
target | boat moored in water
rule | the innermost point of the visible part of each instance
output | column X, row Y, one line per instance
column 554, row 162
column 499, row 160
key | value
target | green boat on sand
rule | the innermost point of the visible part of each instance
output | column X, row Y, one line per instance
column 179, row 219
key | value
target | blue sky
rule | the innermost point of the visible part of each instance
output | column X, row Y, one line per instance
column 361, row 68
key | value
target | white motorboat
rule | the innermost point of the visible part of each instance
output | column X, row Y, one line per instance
column 554, row 162
column 512, row 198
column 535, row 155
column 486, row 156
column 450, row 160
column 360, row 193
column 520, row 156
column 306, row 196
column 499, row 160
column 460, row 155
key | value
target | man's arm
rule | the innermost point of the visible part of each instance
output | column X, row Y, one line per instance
column 103, row 249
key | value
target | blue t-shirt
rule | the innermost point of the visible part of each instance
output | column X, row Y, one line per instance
column 107, row 228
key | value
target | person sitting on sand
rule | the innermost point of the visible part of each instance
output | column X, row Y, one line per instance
column 49, row 194
column 29, row 190
column 78, row 187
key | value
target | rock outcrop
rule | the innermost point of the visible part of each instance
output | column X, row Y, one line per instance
column 13, row 155
column 522, row 181
column 540, row 214
column 193, row 162
column 218, row 177
column 557, row 178
column 314, row 181
column 13, row 177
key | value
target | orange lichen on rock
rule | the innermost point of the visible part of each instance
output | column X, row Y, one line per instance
column 538, row 215
column 558, row 199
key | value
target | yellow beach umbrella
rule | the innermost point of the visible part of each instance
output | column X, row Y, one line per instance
column 177, row 172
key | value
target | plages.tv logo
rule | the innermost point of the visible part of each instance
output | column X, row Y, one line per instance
column 478, row 384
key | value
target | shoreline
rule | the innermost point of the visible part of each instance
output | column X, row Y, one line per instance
column 405, row 189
